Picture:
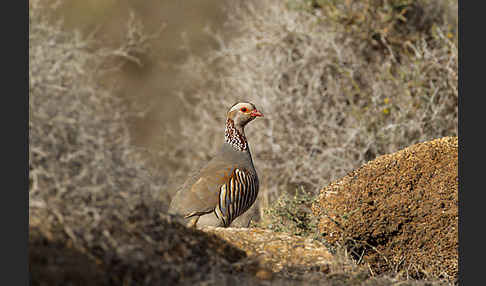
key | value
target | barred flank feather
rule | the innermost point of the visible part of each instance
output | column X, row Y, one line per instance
column 236, row 196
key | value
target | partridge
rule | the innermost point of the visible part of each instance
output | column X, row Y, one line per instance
column 227, row 185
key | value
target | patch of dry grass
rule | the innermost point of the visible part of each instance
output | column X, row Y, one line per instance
column 79, row 143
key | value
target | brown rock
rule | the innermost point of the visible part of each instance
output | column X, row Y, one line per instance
column 264, row 274
column 399, row 211
column 275, row 250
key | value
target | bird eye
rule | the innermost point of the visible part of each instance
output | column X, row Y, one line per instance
column 244, row 109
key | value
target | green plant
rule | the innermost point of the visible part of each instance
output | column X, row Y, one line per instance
column 291, row 214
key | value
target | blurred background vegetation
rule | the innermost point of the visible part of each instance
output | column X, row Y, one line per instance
column 147, row 84
column 126, row 97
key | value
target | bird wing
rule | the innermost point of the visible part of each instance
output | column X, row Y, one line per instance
column 200, row 192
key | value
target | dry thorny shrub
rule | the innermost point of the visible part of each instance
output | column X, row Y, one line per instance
column 328, row 107
column 80, row 159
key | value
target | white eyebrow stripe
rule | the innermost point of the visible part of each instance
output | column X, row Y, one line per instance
column 240, row 105
column 236, row 107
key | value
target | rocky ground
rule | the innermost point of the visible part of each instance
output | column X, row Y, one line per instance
column 146, row 247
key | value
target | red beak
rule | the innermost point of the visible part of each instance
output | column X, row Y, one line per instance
column 256, row 113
